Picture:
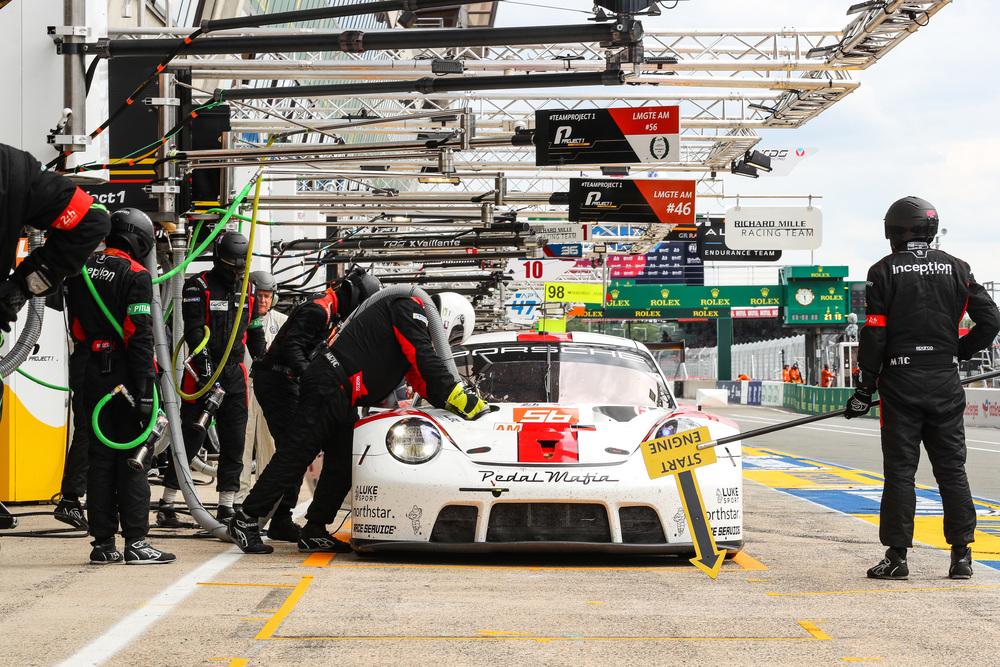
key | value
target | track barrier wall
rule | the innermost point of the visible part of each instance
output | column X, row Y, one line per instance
column 982, row 405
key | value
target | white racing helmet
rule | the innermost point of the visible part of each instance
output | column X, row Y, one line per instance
column 458, row 317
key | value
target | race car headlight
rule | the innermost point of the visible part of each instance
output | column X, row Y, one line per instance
column 413, row 440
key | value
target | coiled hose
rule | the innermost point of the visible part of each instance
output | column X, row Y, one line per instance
column 32, row 328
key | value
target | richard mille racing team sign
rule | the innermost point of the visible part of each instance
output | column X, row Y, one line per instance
column 607, row 136
column 774, row 228
column 639, row 201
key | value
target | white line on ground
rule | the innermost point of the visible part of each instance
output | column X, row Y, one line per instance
column 125, row 631
column 130, row 628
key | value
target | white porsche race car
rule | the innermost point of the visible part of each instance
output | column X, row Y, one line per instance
column 555, row 466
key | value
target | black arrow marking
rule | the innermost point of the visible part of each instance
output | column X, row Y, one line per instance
column 708, row 558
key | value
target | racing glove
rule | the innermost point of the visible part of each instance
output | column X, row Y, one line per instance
column 13, row 296
column 466, row 404
column 859, row 404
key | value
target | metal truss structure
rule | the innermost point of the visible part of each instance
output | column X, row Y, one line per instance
column 729, row 85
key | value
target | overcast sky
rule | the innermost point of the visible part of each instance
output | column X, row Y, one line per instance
column 923, row 122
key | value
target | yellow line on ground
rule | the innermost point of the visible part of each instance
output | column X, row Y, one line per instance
column 902, row 589
column 318, row 560
column 232, row 583
column 678, row 567
column 748, row 562
column 267, row 632
column 811, row 628
column 232, row 662
column 815, row 635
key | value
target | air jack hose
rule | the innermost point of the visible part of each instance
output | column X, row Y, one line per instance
column 32, row 328
column 243, row 294
column 438, row 337
column 227, row 214
column 94, row 417
column 172, row 408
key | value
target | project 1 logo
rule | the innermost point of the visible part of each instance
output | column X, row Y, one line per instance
column 595, row 199
column 564, row 137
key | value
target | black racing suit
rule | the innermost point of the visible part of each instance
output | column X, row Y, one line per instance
column 909, row 349
column 276, row 375
column 74, row 479
column 390, row 340
column 45, row 200
column 114, row 491
column 212, row 299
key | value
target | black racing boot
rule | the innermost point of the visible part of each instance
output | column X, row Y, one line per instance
column 893, row 566
column 223, row 514
column 71, row 511
column 283, row 529
column 105, row 552
column 245, row 532
column 315, row 538
column 166, row 516
column 142, row 552
column 961, row 563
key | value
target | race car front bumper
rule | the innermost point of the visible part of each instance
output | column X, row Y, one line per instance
column 457, row 505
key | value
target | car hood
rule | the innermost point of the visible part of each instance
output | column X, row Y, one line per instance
column 552, row 434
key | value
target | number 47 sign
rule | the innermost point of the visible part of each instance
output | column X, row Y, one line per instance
column 678, row 455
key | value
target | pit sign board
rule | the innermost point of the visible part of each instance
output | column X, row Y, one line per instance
column 677, row 453
column 641, row 201
column 574, row 292
column 774, row 227
column 712, row 246
column 607, row 136
column 540, row 270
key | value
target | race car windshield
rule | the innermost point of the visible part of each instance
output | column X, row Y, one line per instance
column 563, row 373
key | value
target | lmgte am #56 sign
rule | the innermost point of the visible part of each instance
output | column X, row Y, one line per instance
column 607, row 136
column 640, row 201
column 678, row 455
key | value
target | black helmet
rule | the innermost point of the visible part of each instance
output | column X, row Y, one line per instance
column 132, row 231
column 231, row 251
column 263, row 281
column 911, row 219
column 362, row 285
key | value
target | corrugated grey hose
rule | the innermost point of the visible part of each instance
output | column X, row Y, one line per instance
column 170, row 405
column 438, row 336
column 32, row 328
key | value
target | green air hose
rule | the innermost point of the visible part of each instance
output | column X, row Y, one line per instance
column 229, row 212
column 100, row 404
column 47, row 385
column 243, row 292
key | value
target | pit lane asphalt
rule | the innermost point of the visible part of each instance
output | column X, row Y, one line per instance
column 801, row 599
column 855, row 443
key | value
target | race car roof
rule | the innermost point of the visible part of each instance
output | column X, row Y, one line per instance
column 575, row 337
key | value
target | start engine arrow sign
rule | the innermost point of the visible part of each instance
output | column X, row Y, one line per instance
column 678, row 455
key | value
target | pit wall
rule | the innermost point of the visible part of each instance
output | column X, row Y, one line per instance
column 805, row 399
column 982, row 405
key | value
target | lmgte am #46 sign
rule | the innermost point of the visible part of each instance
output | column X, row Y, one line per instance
column 678, row 455
column 639, row 201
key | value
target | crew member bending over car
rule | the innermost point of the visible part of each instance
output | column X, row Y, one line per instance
column 387, row 340
column 276, row 375
column 909, row 350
